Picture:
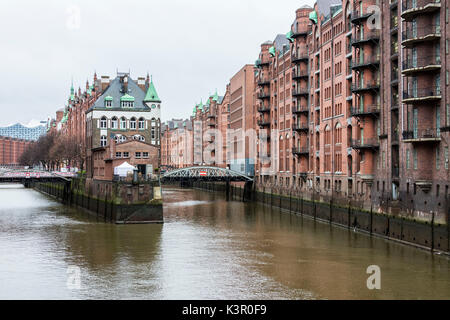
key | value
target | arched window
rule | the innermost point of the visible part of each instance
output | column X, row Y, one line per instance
column 142, row 138
column 114, row 123
column 103, row 141
column 103, row 123
column 116, row 139
column 338, row 134
column 141, row 123
column 133, row 123
column 123, row 123
column 327, row 135
column 122, row 139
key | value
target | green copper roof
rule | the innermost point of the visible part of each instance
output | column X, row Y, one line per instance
column 108, row 98
column 289, row 36
column 152, row 95
column 272, row 51
column 127, row 97
column 313, row 16
column 216, row 97
column 200, row 106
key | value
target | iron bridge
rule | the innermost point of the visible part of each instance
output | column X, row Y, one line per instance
column 205, row 174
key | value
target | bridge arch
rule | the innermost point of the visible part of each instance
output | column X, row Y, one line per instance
column 205, row 173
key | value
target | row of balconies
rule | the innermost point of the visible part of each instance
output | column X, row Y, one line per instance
column 432, row 93
column 301, row 91
column 296, row 57
column 299, row 74
column 426, row 64
column 300, row 109
column 371, row 61
column 366, row 37
column 365, row 86
column 412, row 36
column 371, row 110
column 422, row 135
column 303, row 151
column 264, row 108
column 413, row 8
column 366, row 143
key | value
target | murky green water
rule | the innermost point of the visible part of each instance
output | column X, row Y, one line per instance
column 207, row 249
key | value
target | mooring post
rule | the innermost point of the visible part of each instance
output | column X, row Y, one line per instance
column 432, row 230
column 227, row 190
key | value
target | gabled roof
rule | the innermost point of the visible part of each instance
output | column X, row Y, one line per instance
column 114, row 93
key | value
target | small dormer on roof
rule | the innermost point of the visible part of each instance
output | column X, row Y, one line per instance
column 216, row 97
column 126, row 98
column 272, row 51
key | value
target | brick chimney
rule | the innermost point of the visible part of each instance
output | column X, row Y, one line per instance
column 104, row 82
column 141, row 83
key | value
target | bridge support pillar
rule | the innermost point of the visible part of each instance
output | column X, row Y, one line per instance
column 248, row 191
column 227, row 190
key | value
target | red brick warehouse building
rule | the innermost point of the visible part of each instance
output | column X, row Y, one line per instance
column 11, row 149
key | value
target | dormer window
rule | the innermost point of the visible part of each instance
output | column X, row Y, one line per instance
column 108, row 102
column 127, row 101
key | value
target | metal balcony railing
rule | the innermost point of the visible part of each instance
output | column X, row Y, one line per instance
column 300, row 151
column 300, row 109
column 263, row 81
column 358, row 15
column 263, row 95
column 432, row 92
column 366, row 143
column 366, row 37
column 262, row 62
column 430, row 62
column 411, row 35
column 366, row 62
column 300, row 91
column 296, row 57
column 303, row 126
column 411, row 8
column 372, row 110
column 421, row 135
column 367, row 85
column 264, row 123
column 297, row 74
column 264, row 108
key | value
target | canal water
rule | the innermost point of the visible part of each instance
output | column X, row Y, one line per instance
column 207, row 249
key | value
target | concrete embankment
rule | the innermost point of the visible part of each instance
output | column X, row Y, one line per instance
column 118, row 203
column 428, row 235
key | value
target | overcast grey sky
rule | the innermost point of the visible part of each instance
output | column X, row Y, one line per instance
column 190, row 47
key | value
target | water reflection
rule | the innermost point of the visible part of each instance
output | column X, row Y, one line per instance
column 207, row 249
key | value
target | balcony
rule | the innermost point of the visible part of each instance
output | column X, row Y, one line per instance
column 368, row 62
column 432, row 93
column 300, row 151
column 413, row 8
column 264, row 123
column 262, row 62
column 263, row 109
column 299, row 74
column 263, row 82
column 263, row 95
column 422, row 136
column 296, row 58
column 211, row 123
column 366, row 86
column 427, row 64
column 211, row 116
column 362, row 144
column 300, row 127
column 372, row 36
column 296, row 92
column 412, row 36
column 301, row 31
column 372, row 111
column 359, row 16
column 300, row 109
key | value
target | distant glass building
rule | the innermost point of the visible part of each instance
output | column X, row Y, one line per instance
column 19, row 131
